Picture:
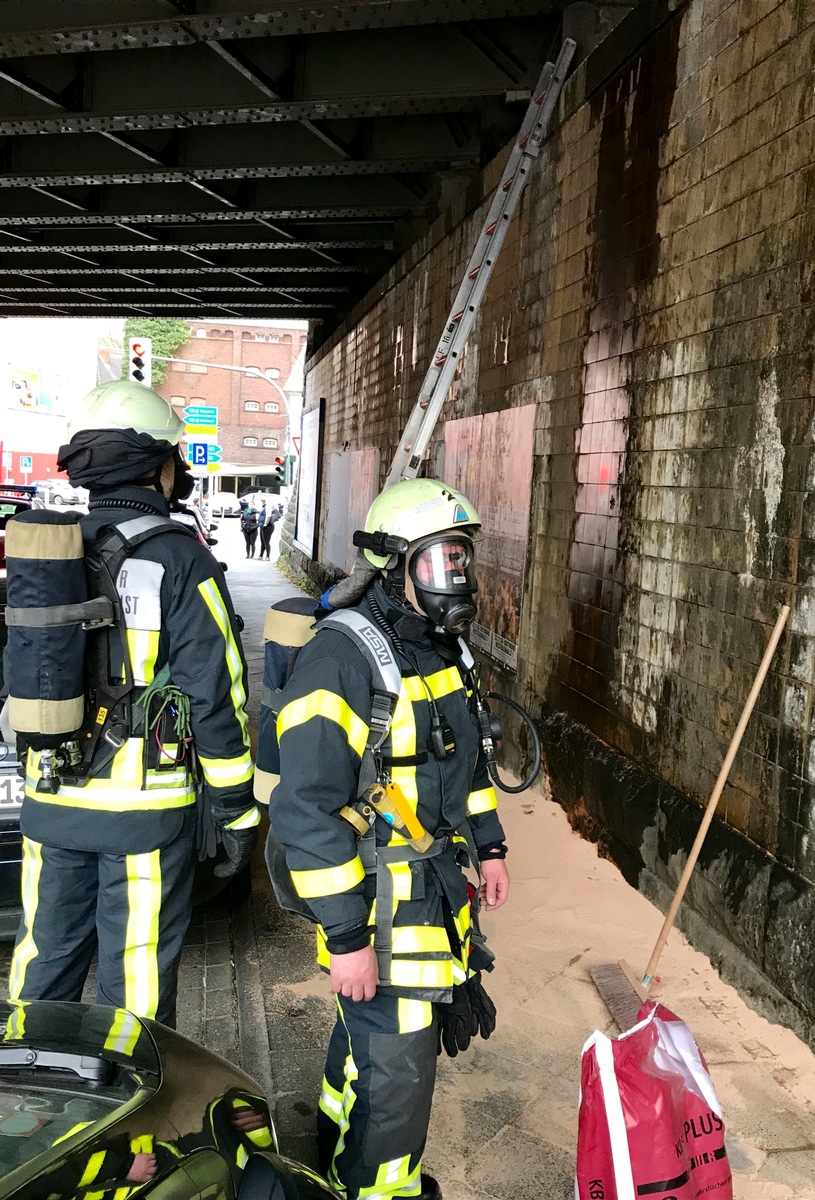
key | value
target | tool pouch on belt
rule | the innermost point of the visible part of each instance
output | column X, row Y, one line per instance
column 282, row 882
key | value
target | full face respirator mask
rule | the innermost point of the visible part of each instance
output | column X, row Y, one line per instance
column 442, row 571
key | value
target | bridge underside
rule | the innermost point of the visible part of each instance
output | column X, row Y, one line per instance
column 217, row 158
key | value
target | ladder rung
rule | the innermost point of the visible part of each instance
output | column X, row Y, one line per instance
column 491, row 228
column 474, row 272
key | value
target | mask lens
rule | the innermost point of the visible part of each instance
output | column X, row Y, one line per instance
column 444, row 566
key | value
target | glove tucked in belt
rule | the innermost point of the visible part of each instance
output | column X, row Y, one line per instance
column 469, row 1013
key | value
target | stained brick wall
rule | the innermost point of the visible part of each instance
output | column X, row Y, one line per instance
column 656, row 299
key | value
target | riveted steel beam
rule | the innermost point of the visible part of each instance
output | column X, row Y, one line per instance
column 385, row 166
column 30, row 27
column 375, row 214
column 377, row 106
column 200, row 247
column 325, row 272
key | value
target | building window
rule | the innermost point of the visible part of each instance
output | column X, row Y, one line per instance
column 252, row 406
column 214, row 333
column 250, row 441
column 197, row 400
column 270, row 443
column 260, row 337
column 246, row 335
column 177, row 400
column 198, row 369
column 273, row 372
column 249, row 367
column 273, row 337
column 271, row 406
column 200, row 333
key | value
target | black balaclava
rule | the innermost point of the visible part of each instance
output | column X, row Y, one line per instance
column 103, row 459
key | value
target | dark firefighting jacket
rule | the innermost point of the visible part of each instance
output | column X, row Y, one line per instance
column 178, row 613
column 322, row 726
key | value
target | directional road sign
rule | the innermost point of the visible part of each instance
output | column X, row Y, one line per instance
column 202, row 453
column 201, row 418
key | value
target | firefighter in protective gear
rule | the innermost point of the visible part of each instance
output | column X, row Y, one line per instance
column 395, row 937
column 111, row 863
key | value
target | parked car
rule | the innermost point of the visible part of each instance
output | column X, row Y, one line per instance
column 59, row 492
column 11, row 843
column 97, row 1102
column 225, row 504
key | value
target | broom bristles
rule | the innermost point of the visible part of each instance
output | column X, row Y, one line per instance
column 620, row 990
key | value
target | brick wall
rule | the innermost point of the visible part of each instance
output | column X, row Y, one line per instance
column 236, row 345
column 655, row 298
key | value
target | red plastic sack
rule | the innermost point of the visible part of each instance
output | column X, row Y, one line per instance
column 650, row 1123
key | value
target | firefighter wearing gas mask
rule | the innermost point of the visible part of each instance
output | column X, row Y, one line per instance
column 109, row 832
column 377, row 830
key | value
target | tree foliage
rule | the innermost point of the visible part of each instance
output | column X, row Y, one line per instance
column 166, row 333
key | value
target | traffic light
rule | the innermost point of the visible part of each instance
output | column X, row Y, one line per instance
column 279, row 473
column 140, row 360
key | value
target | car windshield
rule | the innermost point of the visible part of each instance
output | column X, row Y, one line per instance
column 64, row 1067
column 32, row 1119
column 10, row 508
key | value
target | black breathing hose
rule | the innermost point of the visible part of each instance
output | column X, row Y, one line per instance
column 534, row 770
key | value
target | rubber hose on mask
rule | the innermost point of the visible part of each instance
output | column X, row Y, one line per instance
column 534, row 770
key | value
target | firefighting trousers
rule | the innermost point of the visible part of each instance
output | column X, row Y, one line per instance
column 377, row 1092
column 133, row 908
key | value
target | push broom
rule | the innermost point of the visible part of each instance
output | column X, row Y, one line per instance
column 620, row 989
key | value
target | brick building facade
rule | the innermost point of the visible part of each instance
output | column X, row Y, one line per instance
column 251, row 413
column 654, row 302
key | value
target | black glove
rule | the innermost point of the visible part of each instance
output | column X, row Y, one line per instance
column 482, row 1006
column 455, row 1022
column 469, row 1013
column 238, row 844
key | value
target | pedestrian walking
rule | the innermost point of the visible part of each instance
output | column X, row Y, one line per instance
column 389, row 806
column 249, row 527
column 266, row 526
column 109, row 847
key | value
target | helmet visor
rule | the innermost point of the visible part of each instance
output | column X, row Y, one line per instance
column 444, row 565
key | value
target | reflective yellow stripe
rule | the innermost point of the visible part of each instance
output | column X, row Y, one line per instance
column 393, row 1177
column 214, row 602
column 402, row 880
column 63, row 1137
column 436, row 974
column 328, row 881
column 322, row 703
column 124, row 1032
column 141, row 942
column 15, row 1025
column 247, row 820
column 414, row 1015
column 113, row 800
column 403, row 745
column 143, row 1144
column 482, row 801
column 420, row 939
column 142, row 649
column 26, row 948
column 92, row 1169
column 227, row 772
column 440, row 683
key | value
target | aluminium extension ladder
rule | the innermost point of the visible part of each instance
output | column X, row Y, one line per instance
column 433, row 392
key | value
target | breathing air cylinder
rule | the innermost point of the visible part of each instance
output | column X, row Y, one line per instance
column 45, row 656
column 289, row 626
